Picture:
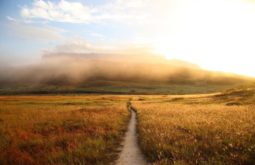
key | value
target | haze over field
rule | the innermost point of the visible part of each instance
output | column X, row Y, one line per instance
column 135, row 66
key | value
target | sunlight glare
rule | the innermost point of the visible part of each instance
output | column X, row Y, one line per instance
column 216, row 35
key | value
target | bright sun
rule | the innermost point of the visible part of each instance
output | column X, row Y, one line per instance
column 216, row 35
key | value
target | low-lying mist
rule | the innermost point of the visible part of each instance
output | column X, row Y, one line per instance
column 81, row 68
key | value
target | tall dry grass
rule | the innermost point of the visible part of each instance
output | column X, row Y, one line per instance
column 177, row 131
column 61, row 129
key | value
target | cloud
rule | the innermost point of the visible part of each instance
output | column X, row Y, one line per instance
column 80, row 48
column 77, row 62
column 97, row 35
column 75, row 12
column 64, row 67
column 62, row 12
column 11, row 19
column 27, row 31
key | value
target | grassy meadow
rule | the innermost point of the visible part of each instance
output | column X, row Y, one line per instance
column 197, row 129
column 202, row 129
column 61, row 129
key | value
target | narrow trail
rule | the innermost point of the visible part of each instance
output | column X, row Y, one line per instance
column 131, row 153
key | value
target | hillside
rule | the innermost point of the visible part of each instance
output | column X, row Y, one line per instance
column 88, row 73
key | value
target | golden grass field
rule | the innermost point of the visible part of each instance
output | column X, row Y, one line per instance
column 199, row 129
column 61, row 129
column 208, row 129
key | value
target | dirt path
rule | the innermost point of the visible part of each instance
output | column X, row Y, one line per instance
column 131, row 154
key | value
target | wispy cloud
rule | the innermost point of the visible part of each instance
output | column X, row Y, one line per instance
column 97, row 35
column 76, row 12
column 11, row 19
column 28, row 31
column 78, row 46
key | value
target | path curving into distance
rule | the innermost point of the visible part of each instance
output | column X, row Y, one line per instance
column 131, row 153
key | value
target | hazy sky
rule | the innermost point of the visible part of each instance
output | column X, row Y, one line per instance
column 215, row 34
